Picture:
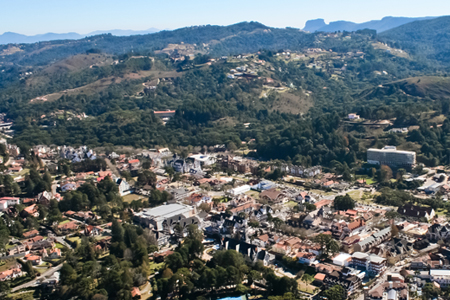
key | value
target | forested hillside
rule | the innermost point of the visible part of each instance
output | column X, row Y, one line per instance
column 293, row 98
column 428, row 39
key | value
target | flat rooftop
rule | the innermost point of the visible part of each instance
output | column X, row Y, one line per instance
column 389, row 150
column 165, row 211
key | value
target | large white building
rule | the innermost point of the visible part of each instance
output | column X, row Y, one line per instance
column 390, row 156
column 440, row 276
column 239, row 190
column 155, row 217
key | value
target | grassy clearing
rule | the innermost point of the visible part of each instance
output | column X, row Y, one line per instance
column 369, row 180
column 356, row 195
column 21, row 295
column 24, row 172
column 305, row 287
column 6, row 264
column 45, row 264
column 59, row 246
column 155, row 267
column 75, row 239
column 64, row 222
column 132, row 197
column 291, row 204
column 40, row 270
column 323, row 193
column 441, row 212
column 253, row 194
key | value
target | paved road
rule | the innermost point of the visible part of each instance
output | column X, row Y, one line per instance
column 112, row 167
column 32, row 283
column 60, row 239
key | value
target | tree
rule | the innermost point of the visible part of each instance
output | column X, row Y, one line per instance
column 28, row 267
column 347, row 176
column 242, row 289
column 394, row 231
column 253, row 223
column 327, row 243
column 4, row 289
column 117, row 232
column 336, row 292
column 205, row 207
column 344, row 202
column 231, row 146
column 430, row 291
column 385, row 174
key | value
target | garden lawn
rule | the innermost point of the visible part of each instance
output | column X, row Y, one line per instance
column 59, row 246
column 131, row 197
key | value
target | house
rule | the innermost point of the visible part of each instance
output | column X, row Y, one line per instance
column 392, row 290
column 374, row 240
column 414, row 211
column 11, row 201
column 92, row 230
column 44, row 198
column 159, row 257
column 197, row 199
column 3, row 205
column 134, row 163
column 438, row 232
column 69, row 186
column 306, row 258
column 353, row 117
column 11, row 273
column 273, row 196
column 30, row 234
column 248, row 250
column 350, row 283
column 262, row 241
column 135, row 293
column 124, row 187
column 54, row 253
column 319, row 278
column 31, row 210
column 68, row 227
column 34, row 259
column 18, row 249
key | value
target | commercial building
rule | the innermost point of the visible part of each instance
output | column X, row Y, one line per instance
column 390, row 156
column 239, row 190
column 442, row 277
column 372, row 263
column 164, row 217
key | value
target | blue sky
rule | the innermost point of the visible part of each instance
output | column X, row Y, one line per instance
column 83, row 16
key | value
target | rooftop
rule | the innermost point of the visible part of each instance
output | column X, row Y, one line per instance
column 166, row 211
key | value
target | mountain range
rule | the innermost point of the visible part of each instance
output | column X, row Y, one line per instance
column 382, row 25
column 379, row 25
column 16, row 38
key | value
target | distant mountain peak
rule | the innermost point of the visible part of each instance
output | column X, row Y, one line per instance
column 314, row 25
column 17, row 38
column 384, row 24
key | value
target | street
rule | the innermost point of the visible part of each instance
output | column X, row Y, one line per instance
column 32, row 283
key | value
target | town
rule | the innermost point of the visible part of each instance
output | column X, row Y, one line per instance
column 327, row 230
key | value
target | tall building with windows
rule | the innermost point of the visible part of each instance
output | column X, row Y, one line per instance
column 392, row 157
